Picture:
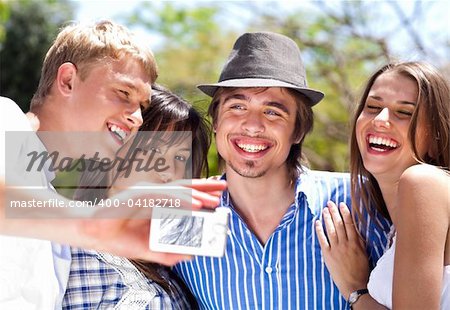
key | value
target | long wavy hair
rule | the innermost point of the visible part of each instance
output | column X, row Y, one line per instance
column 433, row 102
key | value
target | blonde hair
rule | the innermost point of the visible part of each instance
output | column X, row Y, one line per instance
column 86, row 45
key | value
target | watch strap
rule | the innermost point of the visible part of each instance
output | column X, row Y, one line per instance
column 354, row 296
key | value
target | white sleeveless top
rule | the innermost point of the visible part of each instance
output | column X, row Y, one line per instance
column 382, row 277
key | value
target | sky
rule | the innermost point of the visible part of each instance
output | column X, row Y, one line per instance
column 91, row 10
column 437, row 24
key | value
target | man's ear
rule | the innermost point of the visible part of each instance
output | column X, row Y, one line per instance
column 65, row 78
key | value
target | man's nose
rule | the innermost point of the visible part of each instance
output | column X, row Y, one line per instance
column 253, row 123
column 134, row 119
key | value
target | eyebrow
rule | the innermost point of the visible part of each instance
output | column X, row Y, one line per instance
column 278, row 105
column 163, row 142
column 127, row 83
column 401, row 101
column 274, row 104
column 185, row 149
column 235, row 96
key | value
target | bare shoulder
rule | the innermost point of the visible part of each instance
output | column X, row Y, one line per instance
column 426, row 182
column 424, row 175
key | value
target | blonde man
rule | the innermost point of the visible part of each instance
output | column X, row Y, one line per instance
column 95, row 79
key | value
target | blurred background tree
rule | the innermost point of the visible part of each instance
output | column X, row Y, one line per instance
column 342, row 42
column 27, row 30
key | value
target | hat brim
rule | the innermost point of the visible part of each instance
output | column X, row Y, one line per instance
column 210, row 89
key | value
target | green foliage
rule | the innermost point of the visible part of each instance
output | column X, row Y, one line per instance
column 194, row 48
column 4, row 16
column 178, row 24
column 28, row 32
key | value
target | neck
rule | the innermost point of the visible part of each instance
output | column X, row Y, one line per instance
column 263, row 201
column 389, row 189
column 54, row 133
column 50, row 116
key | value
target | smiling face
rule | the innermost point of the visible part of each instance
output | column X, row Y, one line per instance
column 110, row 99
column 382, row 127
column 106, row 101
column 254, row 130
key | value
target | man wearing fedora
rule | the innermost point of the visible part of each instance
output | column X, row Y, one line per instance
column 262, row 110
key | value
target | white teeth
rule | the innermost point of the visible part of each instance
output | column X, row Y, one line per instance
column 252, row 148
column 118, row 131
column 379, row 150
column 382, row 141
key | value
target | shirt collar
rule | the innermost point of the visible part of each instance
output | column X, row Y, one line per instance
column 303, row 186
column 306, row 187
column 306, row 195
column 225, row 201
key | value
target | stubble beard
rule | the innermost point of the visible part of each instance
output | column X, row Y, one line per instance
column 248, row 171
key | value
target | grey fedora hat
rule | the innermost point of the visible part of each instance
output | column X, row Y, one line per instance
column 264, row 59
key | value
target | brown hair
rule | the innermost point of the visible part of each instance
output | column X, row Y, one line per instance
column 303, row 125
column 433, row 102
column 167, row 112
column 171, row 113
column 85, row 45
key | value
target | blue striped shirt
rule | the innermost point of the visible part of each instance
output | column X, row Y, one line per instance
column 287, row 272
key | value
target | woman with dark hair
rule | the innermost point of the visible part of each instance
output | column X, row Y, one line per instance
column 400, row 150
column 174, row 131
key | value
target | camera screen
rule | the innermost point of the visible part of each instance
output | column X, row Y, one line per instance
column 193, row 232
column 181, row 230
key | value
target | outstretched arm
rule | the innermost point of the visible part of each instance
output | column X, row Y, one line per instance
column 124, row 235
column 422, row 222
column 344, row 254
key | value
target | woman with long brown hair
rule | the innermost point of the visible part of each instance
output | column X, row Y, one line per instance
column 174, row 131
column 400, row 149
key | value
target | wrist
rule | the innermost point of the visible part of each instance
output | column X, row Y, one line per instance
column 355, row 295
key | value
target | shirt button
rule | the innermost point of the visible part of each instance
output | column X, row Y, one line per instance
column 268, row 269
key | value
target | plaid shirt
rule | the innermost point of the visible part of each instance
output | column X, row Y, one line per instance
column 104, row 281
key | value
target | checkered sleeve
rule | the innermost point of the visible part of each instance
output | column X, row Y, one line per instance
column 104, row 281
